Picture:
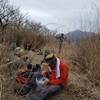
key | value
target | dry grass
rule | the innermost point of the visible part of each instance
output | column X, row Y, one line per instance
column 83, row 60
column 87, row 58
column 79, row 86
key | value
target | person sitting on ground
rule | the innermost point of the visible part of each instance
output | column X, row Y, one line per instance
column 14, row 46
column 27, row 46
column 18, row 52
column 58, row 77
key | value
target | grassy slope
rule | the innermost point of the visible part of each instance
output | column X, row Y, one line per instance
column 77, row 88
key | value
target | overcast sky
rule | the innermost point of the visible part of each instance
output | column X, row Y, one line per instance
column 63, row 15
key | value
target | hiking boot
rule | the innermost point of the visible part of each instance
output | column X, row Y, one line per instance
column 25, row 91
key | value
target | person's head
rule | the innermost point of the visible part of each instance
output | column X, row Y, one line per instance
column 18, row 51
column 50, row 60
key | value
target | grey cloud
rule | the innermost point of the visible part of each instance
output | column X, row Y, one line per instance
column 46, row 11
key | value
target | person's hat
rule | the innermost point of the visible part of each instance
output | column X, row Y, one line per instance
column 50, row 58
column 18, row 50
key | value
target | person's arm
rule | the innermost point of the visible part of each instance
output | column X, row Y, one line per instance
column 28, row 61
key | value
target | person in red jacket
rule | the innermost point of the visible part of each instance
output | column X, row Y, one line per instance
column 58, row 78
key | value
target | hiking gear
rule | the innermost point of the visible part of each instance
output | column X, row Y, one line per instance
column 25, row 72
column 23, row 75
column 25, row 91
column 49, row 58
column 57, row 68
column 32, row 80
column 47, row 52
column 41, row 82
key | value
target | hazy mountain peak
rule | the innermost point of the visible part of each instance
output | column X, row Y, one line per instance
column 77, row 30
column 76, row 35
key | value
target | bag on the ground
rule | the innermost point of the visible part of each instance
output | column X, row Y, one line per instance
column 23, row 75
column 25, row 72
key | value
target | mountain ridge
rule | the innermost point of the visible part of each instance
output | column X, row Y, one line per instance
column 76, row 35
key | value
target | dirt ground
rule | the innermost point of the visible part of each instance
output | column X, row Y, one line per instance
column 36, row 58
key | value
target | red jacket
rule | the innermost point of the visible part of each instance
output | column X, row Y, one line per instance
column 63, row 74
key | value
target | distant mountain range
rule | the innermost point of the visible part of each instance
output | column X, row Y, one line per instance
column 76, row 35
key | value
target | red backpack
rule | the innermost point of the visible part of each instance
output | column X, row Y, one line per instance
column 23, row 75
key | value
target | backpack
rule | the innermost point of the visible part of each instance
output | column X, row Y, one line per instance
column 23, row 75
column 25, row 72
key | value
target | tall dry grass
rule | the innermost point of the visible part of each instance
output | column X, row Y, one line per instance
column 87, row 57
